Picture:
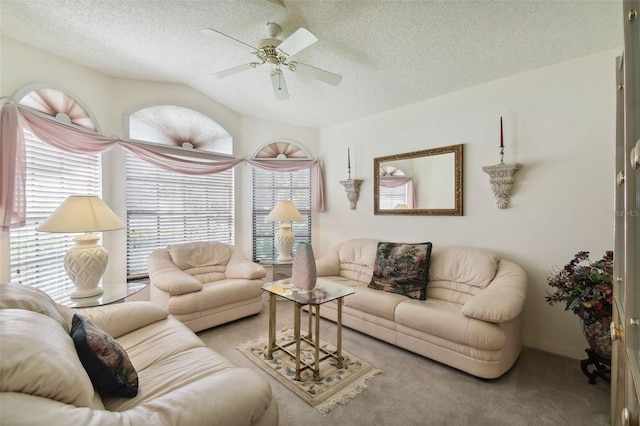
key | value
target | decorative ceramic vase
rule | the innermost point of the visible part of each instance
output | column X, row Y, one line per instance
column 303, row 270
column 598, row 335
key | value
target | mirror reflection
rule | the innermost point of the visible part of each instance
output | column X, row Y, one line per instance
column 425, row 182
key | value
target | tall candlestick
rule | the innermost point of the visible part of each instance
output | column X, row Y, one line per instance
column 501, row 137
column 349, row 162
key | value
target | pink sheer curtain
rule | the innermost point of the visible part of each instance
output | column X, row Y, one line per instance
column 79, row 140
column 395, row 181
column 13, row 203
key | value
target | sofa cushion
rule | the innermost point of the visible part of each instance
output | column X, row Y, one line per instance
column 16, row 296
column 472, row 266
column 374, row 302
column 207, row 273
column 38, row 358
column 402, row 268
column 215, row 294
column 445, row 320
column 356, row 259
column 201, row 253
column 105, row 361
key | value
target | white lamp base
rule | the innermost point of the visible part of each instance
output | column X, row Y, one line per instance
column 85, row 264
column 284, row 240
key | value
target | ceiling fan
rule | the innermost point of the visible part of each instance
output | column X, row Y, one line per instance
column 278, row 54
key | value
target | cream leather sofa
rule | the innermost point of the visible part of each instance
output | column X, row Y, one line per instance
column 471, row 318
column 180, row 380
column 204, row 284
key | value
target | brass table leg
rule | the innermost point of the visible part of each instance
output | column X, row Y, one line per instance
column 272, row 325
column 339, row 338
column 296, row 326
column 316, row 371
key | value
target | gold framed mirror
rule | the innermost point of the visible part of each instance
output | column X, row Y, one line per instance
column 427, row 183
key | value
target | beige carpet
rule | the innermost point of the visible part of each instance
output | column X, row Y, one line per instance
column 337, row 386
column 542, row 389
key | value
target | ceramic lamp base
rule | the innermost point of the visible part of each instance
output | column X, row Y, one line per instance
column 79, row 293
column 85, row 264
column 284, row 240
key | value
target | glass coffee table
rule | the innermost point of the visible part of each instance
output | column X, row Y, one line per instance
column 325, row 291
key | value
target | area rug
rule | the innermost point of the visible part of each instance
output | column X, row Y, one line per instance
column 337, row 386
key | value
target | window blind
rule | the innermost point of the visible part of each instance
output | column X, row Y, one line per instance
column 167, row 208
column 390, row 197
column 52, row 175
column 269, row 188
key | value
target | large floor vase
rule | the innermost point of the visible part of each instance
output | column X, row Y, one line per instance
column 303, row 270
column 598, row 336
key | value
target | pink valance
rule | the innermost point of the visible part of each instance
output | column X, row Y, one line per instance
column 14, row 118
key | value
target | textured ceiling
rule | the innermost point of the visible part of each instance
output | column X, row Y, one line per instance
column 390, row 53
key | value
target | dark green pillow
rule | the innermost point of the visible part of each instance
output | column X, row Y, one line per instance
column 106, row 362
column 402, row 268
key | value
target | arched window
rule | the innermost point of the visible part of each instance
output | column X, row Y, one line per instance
column 51, row 176
column 166, row 207
column 270, row 187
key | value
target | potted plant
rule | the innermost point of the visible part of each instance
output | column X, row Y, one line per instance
column 585, row 287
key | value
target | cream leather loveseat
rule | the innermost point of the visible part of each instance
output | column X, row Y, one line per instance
column 471, row 318
column 204, row 284
column 179, row 380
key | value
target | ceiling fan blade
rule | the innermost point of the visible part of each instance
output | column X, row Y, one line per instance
column 234, row 70
column 315, row 73
column 279, row 85
column 228, row 39
column 297, row 41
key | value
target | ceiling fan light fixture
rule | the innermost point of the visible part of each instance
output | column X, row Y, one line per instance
column 273, row 29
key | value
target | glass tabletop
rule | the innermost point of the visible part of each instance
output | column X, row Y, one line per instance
column 112, row 293
column 325, row 291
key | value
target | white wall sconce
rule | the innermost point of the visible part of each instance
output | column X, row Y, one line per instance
column 501, row 180
column 351, row 186
column 501, row 176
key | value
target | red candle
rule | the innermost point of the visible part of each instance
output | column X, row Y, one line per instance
column 348, row 157
column 501, row 138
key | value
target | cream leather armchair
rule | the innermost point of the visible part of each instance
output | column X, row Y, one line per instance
column 204, row 284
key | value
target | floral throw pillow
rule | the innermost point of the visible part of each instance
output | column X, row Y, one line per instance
column 105, row 361
column 402, row 268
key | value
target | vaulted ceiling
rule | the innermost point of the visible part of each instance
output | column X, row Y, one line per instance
column 389, row 53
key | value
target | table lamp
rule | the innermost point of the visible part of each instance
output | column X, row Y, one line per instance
column 87, row 260
column 284, row 211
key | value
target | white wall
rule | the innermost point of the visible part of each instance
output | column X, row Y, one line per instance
column 558, row 123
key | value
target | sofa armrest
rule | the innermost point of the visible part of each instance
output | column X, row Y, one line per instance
column 165, row 275
column 503, row 299
column 175, row 282
column 121, row 318
column 241, row 267
column 328, row 265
